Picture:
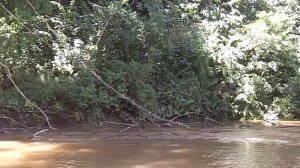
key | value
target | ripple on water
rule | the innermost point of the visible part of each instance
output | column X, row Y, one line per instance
column 221, row 148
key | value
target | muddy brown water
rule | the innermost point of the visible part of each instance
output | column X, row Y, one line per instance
column 226, row 147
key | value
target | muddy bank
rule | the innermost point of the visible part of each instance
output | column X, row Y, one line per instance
column 150, row 131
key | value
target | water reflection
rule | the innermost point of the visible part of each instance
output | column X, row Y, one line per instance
column 260, row 155
column 13, row 153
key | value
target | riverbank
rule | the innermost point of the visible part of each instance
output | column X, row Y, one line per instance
column 146, row 131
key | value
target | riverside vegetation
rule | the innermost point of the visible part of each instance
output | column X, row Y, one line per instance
column 218, row 59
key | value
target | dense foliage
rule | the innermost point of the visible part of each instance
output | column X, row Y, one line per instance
column 222, row 59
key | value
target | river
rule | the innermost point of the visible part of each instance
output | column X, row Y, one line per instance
column 224, row 147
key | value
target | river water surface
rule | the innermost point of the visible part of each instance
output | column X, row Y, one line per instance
column 215, row 147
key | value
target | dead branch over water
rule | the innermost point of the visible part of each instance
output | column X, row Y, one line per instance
column 25, row 97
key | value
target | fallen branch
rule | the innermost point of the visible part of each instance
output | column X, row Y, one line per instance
column 126, row 129
column 163, row 129
column 8, row 118
column 214, row 121
column 132, row 102
column 22, row 129
column 116, row 123
column 36, row 134
column 23, row 95
column 188, row 113
column 101, row 32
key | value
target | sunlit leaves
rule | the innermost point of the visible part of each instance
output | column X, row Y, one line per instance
column 257, row 55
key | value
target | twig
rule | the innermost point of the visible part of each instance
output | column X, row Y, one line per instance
column 36, row 134
column 214, row 121
column 42, row 131
column 8, row 118
column 14, row 129
column 117, row 123
column 12, row 108
column 126, row 129
column 163, row 129
column 101, row 32
column 193, row 123
column 188, row 113
column 269, row 122
column 36, row 12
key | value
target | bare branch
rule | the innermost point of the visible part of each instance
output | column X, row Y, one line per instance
column 126, row 129
column 22, row 23
column 188, row 113
column 101, row 32
column 8, row 118
column 13, row 16
column 117, row 123
column 132, row 102
column 36, row 134
column 214, row 121
column 23, row 95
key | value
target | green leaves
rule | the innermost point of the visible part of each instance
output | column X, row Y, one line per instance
column 169, row 56
column 258, row 54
